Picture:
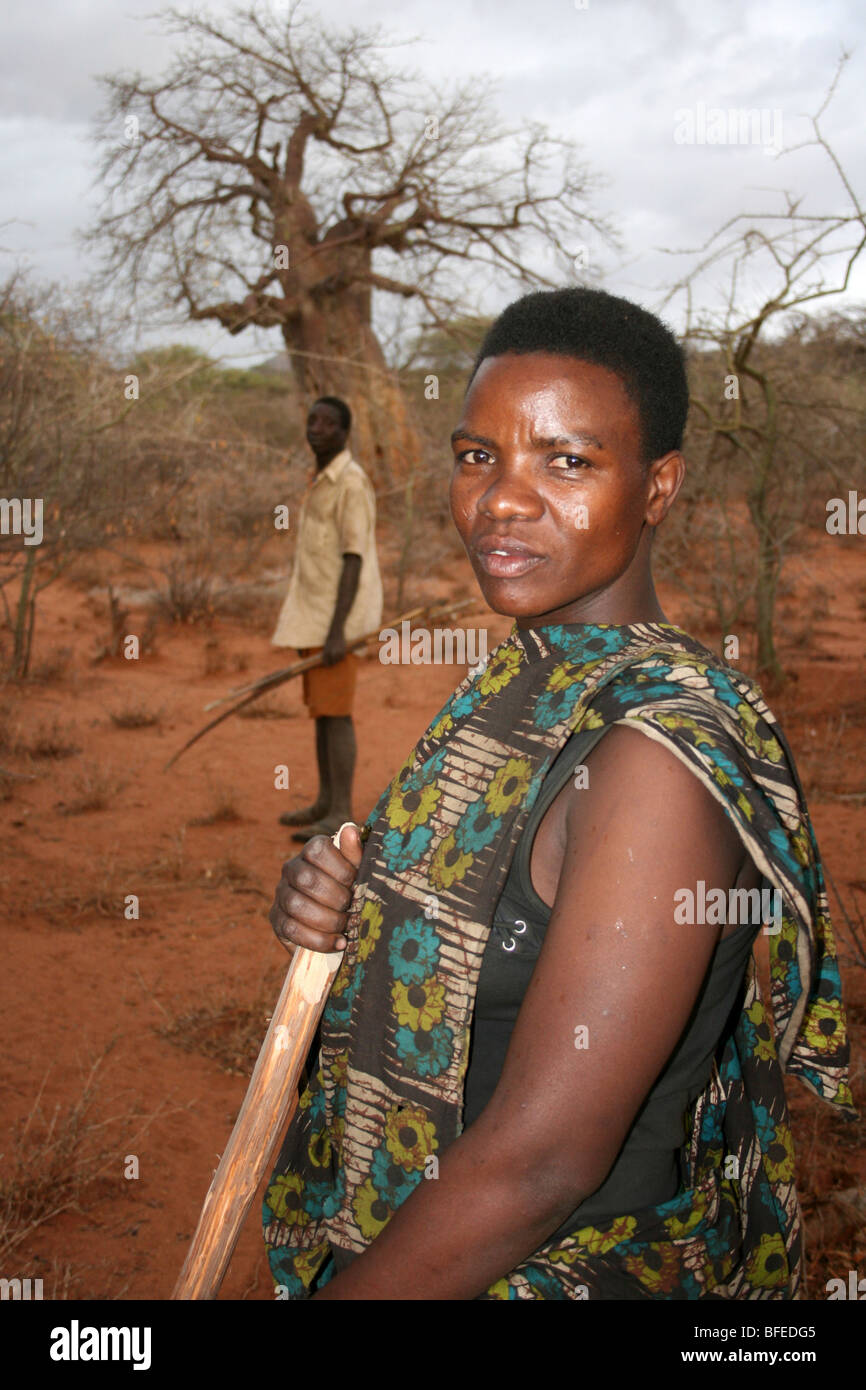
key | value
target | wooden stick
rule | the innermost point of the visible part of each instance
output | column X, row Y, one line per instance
column 286, row 673
column 269, row 1104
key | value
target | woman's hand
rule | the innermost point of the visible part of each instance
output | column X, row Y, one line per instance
column 315, row 890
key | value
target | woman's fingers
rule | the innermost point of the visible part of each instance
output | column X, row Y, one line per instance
column 341, row 863
column 314, row 893
column 351, row 846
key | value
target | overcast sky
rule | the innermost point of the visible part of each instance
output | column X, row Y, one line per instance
column 615, row 76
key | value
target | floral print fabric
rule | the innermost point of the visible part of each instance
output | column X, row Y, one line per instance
column 386, row 1099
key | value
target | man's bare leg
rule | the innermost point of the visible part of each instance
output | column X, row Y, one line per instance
column 322, row 805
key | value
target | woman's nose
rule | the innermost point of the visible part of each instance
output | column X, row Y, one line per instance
column 511, row 494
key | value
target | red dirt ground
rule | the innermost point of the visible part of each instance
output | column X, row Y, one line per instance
column 79, row 975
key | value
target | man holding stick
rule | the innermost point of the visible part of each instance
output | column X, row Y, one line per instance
column 335, row 594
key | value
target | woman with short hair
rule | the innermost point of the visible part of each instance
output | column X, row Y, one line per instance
column 546, row 1070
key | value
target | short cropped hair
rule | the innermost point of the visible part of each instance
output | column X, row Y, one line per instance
column 341, row 408
column 594, row 326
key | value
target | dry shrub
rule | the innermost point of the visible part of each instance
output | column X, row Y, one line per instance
column 214, row 657
column 188, row 596
column 51, row 740
column 135, row 716
column 64, row 1281
column 87, row 572
column 64, row 907
column 854, row 933
column 251, row 603
column 230, row 873
column 51, row 668
column 824, row 755
column 52, row 1161
column 223, row 809
column 121, row 626
column 170, row 866
column 227, row 1028
column 828, row 1150
column 93, row 788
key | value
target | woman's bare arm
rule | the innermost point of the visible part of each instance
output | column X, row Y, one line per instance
column 614, row 963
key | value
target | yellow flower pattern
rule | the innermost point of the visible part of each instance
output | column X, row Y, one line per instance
column 418, row 1006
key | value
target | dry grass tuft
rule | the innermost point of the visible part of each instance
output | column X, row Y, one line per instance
column 51, row 668
column 188, row 596
column 228, row 1029
column 214, row 657
column 170, row 866
column 64, row 908
column 93, row 789
column 52, row 1161
column 230, row 873
column 135, row 716
column 223, row 809
column 824, row 757
column 267, row 709
column 52, row 740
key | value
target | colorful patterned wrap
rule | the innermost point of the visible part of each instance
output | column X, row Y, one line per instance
column 388, row 1091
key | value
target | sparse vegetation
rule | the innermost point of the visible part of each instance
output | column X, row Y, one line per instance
column 93, row 788
column 135, row 716
column 228, row 872
column 223, row 808
column 51, row 668
column 51, row 740
column 266, row 708
column 53, row 1160
column 227, row 1028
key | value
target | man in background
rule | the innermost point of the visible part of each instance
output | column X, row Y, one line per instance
column 334, row 596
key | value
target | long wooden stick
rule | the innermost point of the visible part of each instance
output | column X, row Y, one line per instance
column 275, row 678
column 269, row 1104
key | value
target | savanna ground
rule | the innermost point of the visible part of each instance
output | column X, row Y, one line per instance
column 132, row 1038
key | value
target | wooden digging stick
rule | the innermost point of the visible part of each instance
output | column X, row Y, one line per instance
column 275, row 678
column 270, row 1102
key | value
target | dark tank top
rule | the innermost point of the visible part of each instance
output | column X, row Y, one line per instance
column 647, row 1170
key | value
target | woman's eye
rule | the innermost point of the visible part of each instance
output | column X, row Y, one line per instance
column 574, row 461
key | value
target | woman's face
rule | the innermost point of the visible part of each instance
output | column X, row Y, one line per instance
column 547, row 468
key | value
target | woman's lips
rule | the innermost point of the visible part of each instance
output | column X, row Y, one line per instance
column 507, row 566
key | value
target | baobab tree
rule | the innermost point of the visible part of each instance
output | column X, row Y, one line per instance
column 280, row 174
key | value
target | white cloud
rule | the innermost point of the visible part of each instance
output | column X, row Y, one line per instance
column 610, row 76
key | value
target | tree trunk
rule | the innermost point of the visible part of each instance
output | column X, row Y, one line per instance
column 335, row 353
column 765, row 603
column 25, row 619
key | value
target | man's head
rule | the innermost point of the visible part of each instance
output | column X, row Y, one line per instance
column 328, row 425
column 593, row 326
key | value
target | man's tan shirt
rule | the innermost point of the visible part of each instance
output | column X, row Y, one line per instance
column 337, row 517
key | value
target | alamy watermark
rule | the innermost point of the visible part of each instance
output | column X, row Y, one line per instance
column 846, row 518
column 854, row 1289
column 77, row 1343
column 716, row 125
column 444, row 646
column 23, row 1290
column 22, row 516
column 715, row 907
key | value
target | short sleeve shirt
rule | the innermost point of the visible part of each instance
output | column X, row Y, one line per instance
column 337, row 517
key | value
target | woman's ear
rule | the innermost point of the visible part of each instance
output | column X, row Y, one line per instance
column 665, row 478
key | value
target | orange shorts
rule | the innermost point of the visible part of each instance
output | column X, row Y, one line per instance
column 329, row 690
